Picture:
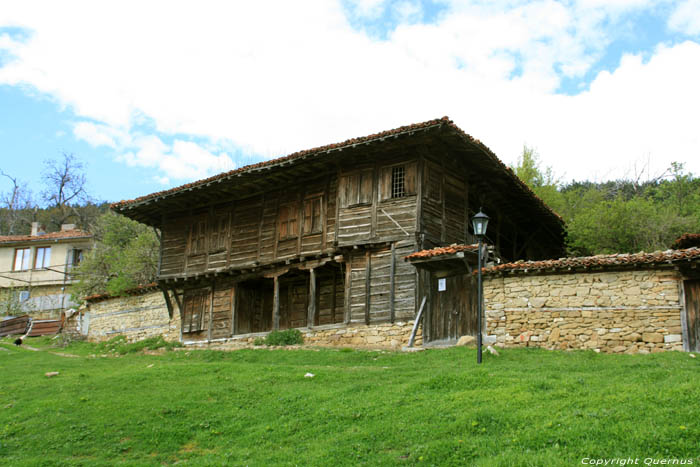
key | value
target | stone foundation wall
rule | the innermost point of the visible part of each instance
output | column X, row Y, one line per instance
column 623, row 311
column 374, row 336
column 137, row 317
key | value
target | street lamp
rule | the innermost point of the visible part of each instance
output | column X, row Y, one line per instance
column 479, row 222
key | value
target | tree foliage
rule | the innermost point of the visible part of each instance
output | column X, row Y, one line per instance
column 620, row 216
column 125, row 256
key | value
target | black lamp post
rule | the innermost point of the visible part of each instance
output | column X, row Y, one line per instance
column 479, row 222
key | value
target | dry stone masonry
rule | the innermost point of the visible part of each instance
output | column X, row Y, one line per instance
column 631, row 311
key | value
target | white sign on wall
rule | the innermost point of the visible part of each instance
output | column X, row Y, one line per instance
column 442, row 285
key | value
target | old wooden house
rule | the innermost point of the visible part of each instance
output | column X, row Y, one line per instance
column 318, row 237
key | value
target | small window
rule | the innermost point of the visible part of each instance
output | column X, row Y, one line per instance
column 219, row 235
column 22, row 259
column 312, row 215
column 356, row 189
column 196, row 304
column 198, row 237
column 77, row 257
column 287, row 225
column 42, row 259
column 398, row 182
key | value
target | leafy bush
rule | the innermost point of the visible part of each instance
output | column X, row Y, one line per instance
column 259, row 341
column 286, row 337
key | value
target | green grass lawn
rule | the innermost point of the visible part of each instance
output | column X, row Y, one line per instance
column 255, row 407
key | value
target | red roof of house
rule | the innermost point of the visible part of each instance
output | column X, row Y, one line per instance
column 141, row 289
column 337, row 146
column 62, row 235
column 687, row 240
column 598, row 261
column 440, row 251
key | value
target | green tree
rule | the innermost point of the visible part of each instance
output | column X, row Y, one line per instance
column 542, row 181
column 125, row 256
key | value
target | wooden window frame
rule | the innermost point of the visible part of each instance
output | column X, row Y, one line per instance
column 198, row 233
column 193, row 320
column 44, row 249
column 220, row 229
column 313, row 216
column 288, row 221
column 359, row 188
column 386, row 181
column 24, row 266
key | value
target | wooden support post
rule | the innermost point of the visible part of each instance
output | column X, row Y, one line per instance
column 348, row 286
column 392, row 280
column 211, row 310
column 234, row 299
column 168, row 303
column 368, row 283
column 415, row 324
column 312, row 298
column 335, row 284
column 276, row 304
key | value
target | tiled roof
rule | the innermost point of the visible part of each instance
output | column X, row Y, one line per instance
column 599, row 261
column 141, row 289
column 440, row 251
column 327, row 148
column 687, row 240
column 62, row 235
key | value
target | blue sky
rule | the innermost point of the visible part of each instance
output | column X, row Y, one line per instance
column 157, row 94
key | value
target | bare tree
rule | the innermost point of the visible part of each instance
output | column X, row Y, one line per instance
column 13, row 205
column 65, row 184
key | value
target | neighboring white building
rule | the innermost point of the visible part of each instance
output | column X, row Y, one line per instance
column 35, row 269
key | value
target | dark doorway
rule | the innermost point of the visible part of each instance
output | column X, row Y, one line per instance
column 452, row 308
column 254, row 306
column 692, row 314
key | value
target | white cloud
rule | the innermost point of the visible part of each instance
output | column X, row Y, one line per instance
column 276, row 77
column 686, row 17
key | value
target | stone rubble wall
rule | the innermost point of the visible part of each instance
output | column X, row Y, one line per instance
column 622, row 311
column 374, row 336
column 136, row 317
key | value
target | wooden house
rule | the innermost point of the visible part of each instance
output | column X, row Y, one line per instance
column 318, row 237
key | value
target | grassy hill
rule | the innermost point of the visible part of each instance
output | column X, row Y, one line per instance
column 114, row 404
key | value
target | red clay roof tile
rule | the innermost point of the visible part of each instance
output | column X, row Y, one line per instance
column 62, row 235
column 440, row 251
column 687, row 240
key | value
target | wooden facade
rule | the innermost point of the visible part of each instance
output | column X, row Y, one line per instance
column 318, row 237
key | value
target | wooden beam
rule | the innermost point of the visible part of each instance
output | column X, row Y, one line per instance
column 415, row 324
column 335, row 284
column 348, row 284
column 368, row 283
column 392, row 280
column 312, row 298
column 168, row 303
column 211, row 310
column 234, row 309
column 276, row 304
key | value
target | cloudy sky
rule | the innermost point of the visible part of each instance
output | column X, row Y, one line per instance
column 156, row 94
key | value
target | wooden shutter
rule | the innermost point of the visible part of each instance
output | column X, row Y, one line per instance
column 308, row 216
column 283, row 223
column 410, row 179
column 385, row 184
column 365, row 187
column 316, row 216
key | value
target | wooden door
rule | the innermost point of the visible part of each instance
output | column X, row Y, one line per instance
column 692, row 313
column 452, row 308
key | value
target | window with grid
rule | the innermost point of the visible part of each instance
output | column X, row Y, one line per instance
column 398, row 181
column 42, row 258
column 22, row 259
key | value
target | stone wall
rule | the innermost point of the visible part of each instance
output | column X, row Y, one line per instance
column 633, row 311
column 137, row 317
column 373, row 336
